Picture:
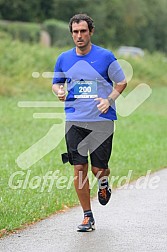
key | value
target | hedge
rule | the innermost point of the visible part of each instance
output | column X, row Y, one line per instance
column 58, row 31
column 29, row 32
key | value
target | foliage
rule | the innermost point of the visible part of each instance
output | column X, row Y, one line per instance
column 154, row 34
column 22, row 31
column 129, row 22
column 32, row 11
column 58, row 31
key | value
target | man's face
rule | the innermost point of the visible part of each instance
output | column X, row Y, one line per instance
column 81, row 34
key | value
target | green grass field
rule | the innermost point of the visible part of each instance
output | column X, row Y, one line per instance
column 139, row 141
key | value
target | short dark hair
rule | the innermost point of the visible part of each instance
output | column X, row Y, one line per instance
column 81, row 17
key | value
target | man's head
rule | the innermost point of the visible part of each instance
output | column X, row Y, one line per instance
column 82, row 28
column 82, row 17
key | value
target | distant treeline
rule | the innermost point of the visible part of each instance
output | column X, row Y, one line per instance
column 130, row 22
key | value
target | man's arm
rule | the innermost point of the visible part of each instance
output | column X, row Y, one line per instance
column 117, row 90
column 104, row 104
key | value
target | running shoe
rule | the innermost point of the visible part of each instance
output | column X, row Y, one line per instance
column 87, row 225
column 104, row 195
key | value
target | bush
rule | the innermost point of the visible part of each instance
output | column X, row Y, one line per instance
column 23, row 31
column 4, row 35
column 58, row 31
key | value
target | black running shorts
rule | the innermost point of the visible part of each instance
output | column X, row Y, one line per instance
column 93, row 138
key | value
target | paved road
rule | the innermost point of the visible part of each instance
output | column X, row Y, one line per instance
column 134, row 220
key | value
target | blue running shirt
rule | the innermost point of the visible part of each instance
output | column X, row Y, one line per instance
column 88, row 76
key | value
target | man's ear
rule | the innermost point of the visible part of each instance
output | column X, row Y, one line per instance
column 91, row 33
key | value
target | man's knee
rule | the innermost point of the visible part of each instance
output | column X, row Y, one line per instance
column 83, row 168
column 100, row 172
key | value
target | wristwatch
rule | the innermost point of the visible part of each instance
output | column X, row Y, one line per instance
column 111, row 101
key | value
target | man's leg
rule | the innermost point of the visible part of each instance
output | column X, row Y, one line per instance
column 99, row 173
column 104, row 192
column 103, row 134
column 100, row 158
column 102, row 176
column 74, row 135
column 81, row 184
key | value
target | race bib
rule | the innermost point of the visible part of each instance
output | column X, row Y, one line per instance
column 85, row 89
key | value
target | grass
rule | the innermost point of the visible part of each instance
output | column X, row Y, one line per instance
column 139, row 141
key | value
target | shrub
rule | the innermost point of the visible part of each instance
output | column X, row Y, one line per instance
column 59, row 32
column 20, row 30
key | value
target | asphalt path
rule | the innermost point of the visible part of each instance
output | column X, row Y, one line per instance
column 135, row 219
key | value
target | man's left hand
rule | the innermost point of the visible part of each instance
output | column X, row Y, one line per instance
column 104, row 104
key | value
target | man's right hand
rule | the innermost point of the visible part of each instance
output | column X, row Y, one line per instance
column 61, row 94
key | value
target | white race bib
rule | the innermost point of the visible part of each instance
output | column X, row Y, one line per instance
column 85, row 89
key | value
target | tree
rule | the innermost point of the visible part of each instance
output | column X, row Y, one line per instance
column 19, row 10
column 129, row 22
column 155, row 32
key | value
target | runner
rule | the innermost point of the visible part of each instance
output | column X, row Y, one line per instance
column 89, row 72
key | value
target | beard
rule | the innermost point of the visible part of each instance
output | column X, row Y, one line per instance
column 83, row 46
